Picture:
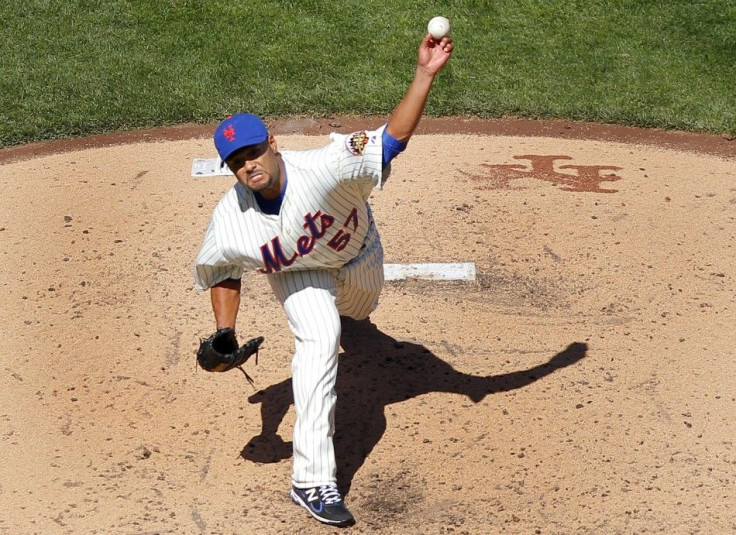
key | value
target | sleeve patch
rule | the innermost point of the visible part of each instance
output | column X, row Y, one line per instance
column 356, row 143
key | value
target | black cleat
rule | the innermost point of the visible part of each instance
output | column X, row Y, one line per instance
column 325, row 504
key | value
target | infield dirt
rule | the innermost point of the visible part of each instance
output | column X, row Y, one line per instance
column 585, row 383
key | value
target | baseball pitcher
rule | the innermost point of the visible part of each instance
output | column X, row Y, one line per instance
column 302, row 219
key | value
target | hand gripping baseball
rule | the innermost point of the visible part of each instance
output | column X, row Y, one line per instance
column 220, row 352
column 434, row 54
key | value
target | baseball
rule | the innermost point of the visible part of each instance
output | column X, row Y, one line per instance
column 438, row 27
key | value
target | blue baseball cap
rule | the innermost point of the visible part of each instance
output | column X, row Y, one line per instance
column 238, row 131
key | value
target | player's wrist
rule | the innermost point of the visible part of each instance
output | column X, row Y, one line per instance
column 423, row 73
column 225, row 325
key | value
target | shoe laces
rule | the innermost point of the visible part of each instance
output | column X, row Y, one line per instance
column 329, row 494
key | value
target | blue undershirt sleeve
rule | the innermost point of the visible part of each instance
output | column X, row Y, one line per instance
column 391, row 147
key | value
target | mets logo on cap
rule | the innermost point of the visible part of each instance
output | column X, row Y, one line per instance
column 229, row 133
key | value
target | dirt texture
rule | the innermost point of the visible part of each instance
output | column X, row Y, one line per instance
column 585, row 383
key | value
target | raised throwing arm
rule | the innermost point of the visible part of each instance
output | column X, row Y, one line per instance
column 432, row 56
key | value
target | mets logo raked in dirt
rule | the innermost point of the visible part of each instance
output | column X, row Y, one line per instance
column 583, row 178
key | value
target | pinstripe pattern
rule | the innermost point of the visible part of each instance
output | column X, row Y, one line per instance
column 309, row 301
column 328, row 181
column 323, row 257
column 360, row 281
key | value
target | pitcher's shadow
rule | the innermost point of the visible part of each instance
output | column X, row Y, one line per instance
column 375, row 371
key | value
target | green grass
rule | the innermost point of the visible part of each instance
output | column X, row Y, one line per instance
column 81, row 67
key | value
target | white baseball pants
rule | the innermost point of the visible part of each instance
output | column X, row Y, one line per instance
column 313, row 302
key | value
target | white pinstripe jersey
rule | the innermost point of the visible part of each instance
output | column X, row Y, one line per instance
column 322, row 223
